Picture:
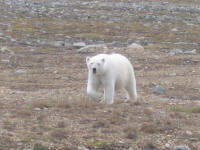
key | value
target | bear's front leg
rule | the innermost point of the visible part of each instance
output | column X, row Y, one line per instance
column 109, row 92
column 92, row 91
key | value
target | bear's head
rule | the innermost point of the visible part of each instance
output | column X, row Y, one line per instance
column 95, row 65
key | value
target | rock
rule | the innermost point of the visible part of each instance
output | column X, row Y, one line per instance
column 79, row 44
column 55, row 72
column 194, row 139
column 20, row 71
column 174, row 30
column 65, row 78
column 150, row 146
column 194, row 51
column 58, row 43
column 158, row 90
column 135, row 46
column 188, row 132
column 176, row 51
column 37, row 109
column 181, row 147
column 167, row 145
column 93, row 48
column 130, row 148
column 172, row 74
column 32, row 50
column 6, row 61
column 115, row 44
column 82, row 148
column 6, row 50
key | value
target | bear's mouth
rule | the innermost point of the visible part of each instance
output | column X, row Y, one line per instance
column 94, row 70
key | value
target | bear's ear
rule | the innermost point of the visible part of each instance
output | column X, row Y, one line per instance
column 87, row 59
column 103, row 60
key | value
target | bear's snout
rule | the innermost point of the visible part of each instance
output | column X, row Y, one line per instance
column 94, row 70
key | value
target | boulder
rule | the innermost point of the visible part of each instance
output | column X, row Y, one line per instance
column 93, row 48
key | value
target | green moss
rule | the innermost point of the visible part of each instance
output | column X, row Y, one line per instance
column 24, row 27
column 40, row 147
column 97, row 143
column 186, row 109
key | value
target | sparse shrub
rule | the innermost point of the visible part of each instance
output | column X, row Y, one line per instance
column 116, row 118
column 149, row 128
column 148, row 112
column 176, row 115
column 131, row 133
column 61, row 124
column 158, row 125
column 150, row 146
column 59, row 134
column 9, row 126
column 41, row 117
column 23, row 113
column 137, row 103
column 101, row 124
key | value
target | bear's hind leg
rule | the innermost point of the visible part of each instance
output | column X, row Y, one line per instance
column 131, row 89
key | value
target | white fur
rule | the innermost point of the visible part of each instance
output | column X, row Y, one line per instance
column 113, row 71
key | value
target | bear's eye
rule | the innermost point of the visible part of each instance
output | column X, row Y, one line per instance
column 98, row 64
column 91, row 63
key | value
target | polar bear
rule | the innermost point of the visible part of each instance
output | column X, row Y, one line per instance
column 113, row 71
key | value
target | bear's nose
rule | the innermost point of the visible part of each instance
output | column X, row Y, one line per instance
column 94, row 70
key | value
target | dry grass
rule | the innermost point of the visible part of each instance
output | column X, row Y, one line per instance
column 48, row 104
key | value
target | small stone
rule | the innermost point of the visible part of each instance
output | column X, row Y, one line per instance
column 158, row 90
column 6, row 50
column 176, row 51
column 167, row 145
column 20, row 71
column 82, row 148
column 13, row 40
column 32, row 50
column 174, row 30
column 37, row 109
column 55, row 72
column 135, row 46
column 58, row 43
column 188, row 132
column 70, row 98
column 194, row 139
column 79, row 44
column 172, row 74
column 12, row 92
column 194, row 51
column 65, row 78
column 181, row 147
column 5, row 61
column 130, row 148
